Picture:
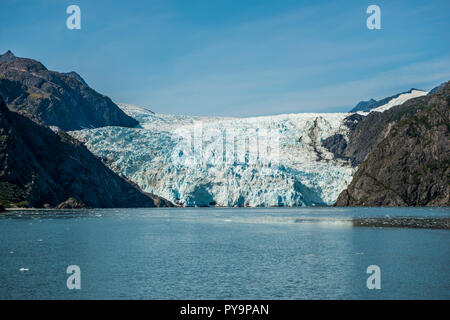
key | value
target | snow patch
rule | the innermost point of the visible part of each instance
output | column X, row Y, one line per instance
column 400, row 100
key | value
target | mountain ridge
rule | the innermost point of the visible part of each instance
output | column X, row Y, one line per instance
column 40, row 168
column 62, row 100
column 369, row 105
column 409, row 164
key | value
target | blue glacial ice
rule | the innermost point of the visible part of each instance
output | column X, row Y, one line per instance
column 199, row 161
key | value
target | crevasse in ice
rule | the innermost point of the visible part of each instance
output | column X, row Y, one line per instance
column 199, row 161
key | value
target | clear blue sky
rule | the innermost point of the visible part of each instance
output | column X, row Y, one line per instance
column 236, row 57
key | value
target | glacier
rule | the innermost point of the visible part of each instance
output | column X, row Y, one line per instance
column 261, row 161
column 165, row 156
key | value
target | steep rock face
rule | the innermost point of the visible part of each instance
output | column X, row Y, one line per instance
column 56, row 99
column 39, row 168
column 368, row 127
column 366, row 131
column 437, row 88
column 409, row 166
column 339, row 144
column 8, row 56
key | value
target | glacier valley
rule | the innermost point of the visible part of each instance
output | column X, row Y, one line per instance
column 298, row 171
column 202, row 161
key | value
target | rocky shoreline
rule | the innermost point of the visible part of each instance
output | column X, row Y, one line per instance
column 403, row 222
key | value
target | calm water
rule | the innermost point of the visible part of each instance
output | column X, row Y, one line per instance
column 290, row 253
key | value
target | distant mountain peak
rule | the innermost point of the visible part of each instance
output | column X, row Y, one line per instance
column 76, row 76
column 8, row 56
column 437, row 88
column 62, row 100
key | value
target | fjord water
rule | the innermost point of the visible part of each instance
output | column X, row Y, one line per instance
column 220, row 253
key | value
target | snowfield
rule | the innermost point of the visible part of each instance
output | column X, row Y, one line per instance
column 401, row 99
column 199, row 161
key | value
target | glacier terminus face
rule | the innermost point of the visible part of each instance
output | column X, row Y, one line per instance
column 203, row 161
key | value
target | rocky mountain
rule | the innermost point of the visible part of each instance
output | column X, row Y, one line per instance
column 76, row 76
column 40, row 168
column 8, row 56
column 364, row 133
column 366, row 130
column 63, row 100
column 407, row 163
column 437, row 88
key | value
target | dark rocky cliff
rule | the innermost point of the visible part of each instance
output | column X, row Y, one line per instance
column 409, row 156
column 365, row 132
column 40, row 168
column 56, row 99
